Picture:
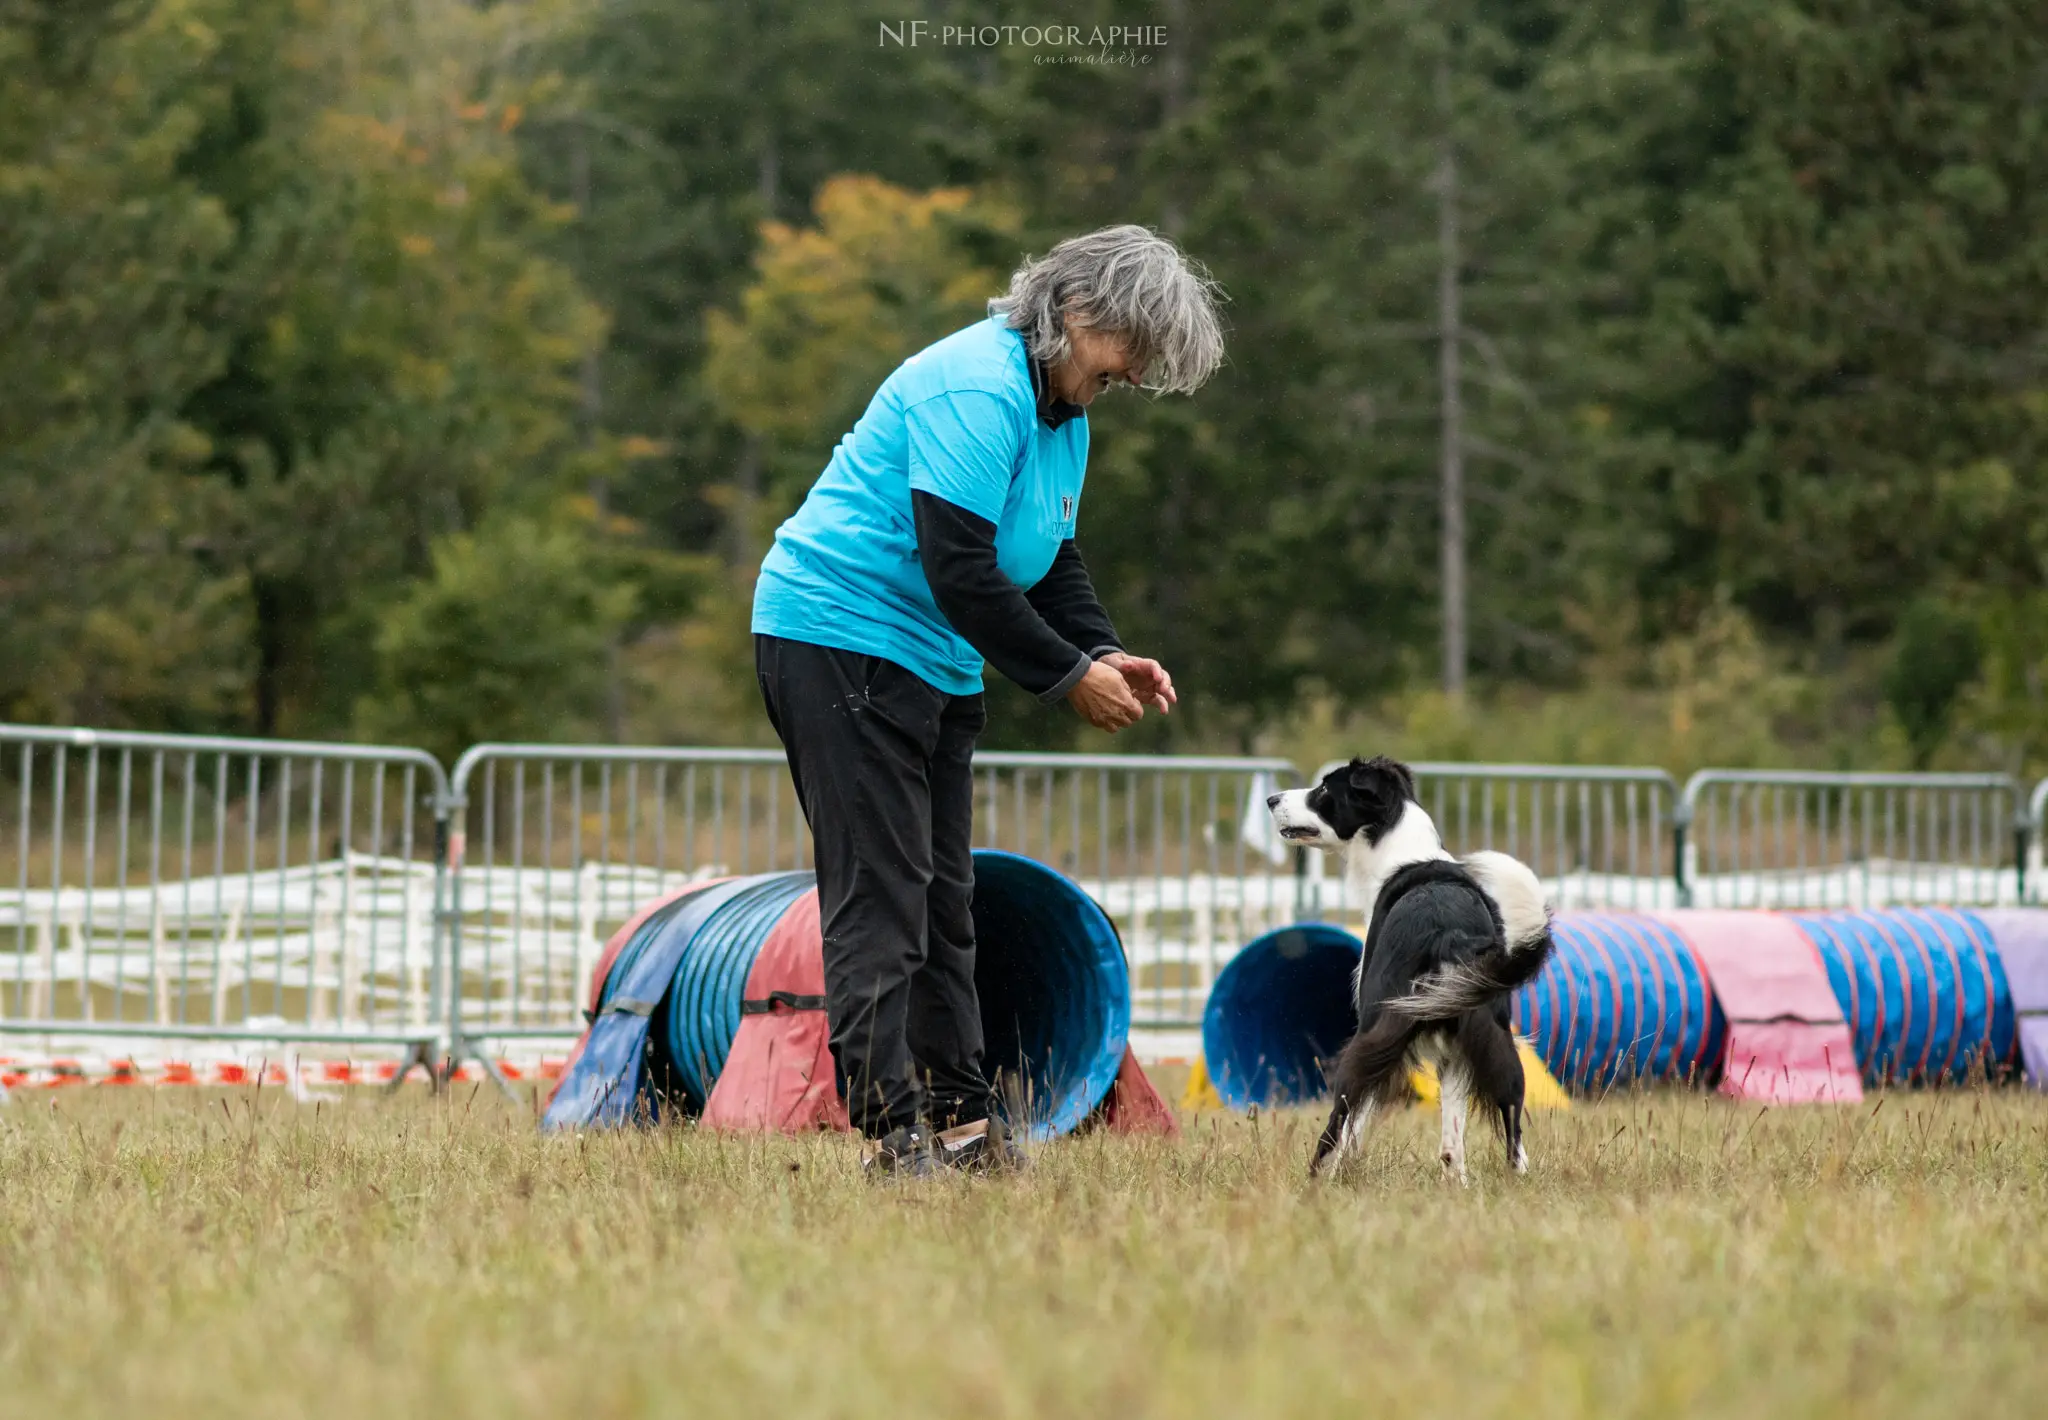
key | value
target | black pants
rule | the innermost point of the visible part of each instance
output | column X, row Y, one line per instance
column 882, row 764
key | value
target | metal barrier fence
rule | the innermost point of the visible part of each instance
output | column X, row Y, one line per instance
column 1179, row 850
column 1598, row 835
column 1764, row 838
column 261, row 891
column 171, row 886
column 2036, row 829
column 556, row 846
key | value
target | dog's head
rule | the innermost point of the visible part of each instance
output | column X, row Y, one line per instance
column 1360, row 803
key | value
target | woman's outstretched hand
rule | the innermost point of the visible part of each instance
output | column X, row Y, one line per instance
column 1116, row 690
column 1147, row 680
column 1104, row 699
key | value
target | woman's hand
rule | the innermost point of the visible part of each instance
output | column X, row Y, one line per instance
column 1104, row 698
column 1147, row 679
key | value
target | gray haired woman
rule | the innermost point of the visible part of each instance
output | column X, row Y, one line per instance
column 940, row 536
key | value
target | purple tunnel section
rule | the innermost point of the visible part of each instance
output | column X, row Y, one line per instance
column 2022, row 938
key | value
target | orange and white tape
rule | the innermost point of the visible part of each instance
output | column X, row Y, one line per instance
column 62, row 1071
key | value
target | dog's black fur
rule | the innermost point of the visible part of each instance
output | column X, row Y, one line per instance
column 1439, row 961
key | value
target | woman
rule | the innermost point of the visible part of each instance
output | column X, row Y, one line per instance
column 940, row 536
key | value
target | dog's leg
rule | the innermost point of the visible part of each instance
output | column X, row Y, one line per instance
column 1489, row 1045
column 1454, row 1095
column 1333, row 1138
column 1355, row 1125
column 1341, row 1135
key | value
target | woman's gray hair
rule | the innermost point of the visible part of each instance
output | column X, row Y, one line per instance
column 1126, row 281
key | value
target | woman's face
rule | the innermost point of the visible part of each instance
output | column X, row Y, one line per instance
column 1096, row 360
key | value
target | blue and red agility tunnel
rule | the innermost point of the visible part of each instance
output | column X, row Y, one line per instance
column 1622, row 999
column 1924, row 992
column 710, row 1003
column 1784, row 1007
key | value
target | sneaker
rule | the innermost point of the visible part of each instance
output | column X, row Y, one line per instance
column 984, row 1146
column 908, row 1152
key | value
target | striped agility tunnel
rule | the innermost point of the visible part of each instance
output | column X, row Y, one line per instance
column 1924, row 992
column 1622, row 999
column 1783, row 1007
column 710, row 1004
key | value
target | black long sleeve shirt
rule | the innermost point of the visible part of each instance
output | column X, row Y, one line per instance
column 1034, row 637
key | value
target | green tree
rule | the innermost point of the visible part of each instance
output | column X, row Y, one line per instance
column 507, row 638
column 1827, row 304
column 1936, row 657
column 1281, row 531
column 403, row 359
column 286, row 325
column 687, row 124
column 117, row 605
column 2008, row 706
column 834, row 308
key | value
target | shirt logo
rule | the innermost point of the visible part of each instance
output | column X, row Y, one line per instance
column 1066, row 508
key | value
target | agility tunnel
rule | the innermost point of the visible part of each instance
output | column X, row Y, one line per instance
column 1621, row 999
column 2021, row 936
column 1277, row 1010
column 1924, row 993
column 1281, row 1007
column 710, row 1003
column 1777, row 1007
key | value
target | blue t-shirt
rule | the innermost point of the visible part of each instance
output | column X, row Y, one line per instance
column 958, row 419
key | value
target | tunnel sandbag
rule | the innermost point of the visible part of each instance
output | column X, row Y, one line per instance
column 1788, row 1042
column 1134, row 1104
column 1050, row 972
column 606, row 1083
column 778, row 1075
column 1621, row 1001
column 1540, row 1089
column 2021, row 936
column 707, row 998
column 1923, row 991
column 1278, row 1009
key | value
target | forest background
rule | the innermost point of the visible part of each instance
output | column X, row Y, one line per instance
column 432, row 371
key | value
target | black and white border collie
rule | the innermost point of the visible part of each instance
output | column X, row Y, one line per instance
column 1449, row 939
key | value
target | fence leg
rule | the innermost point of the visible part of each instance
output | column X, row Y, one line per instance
column 467, row 1049
column 420, row 1053
column 1681, row 821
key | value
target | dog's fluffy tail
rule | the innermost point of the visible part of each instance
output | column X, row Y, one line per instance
column 1454, row 988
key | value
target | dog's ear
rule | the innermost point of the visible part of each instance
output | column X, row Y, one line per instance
column 1384, row 783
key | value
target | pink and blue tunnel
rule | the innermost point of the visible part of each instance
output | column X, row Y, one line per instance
column 1621, row 1000
column 1924, row 992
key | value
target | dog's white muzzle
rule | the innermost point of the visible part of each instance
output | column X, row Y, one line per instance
column 1298, row 823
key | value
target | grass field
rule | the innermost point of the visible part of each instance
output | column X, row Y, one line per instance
column 184, row 1253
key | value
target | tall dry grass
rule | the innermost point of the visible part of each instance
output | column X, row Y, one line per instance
column 170, row 1254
